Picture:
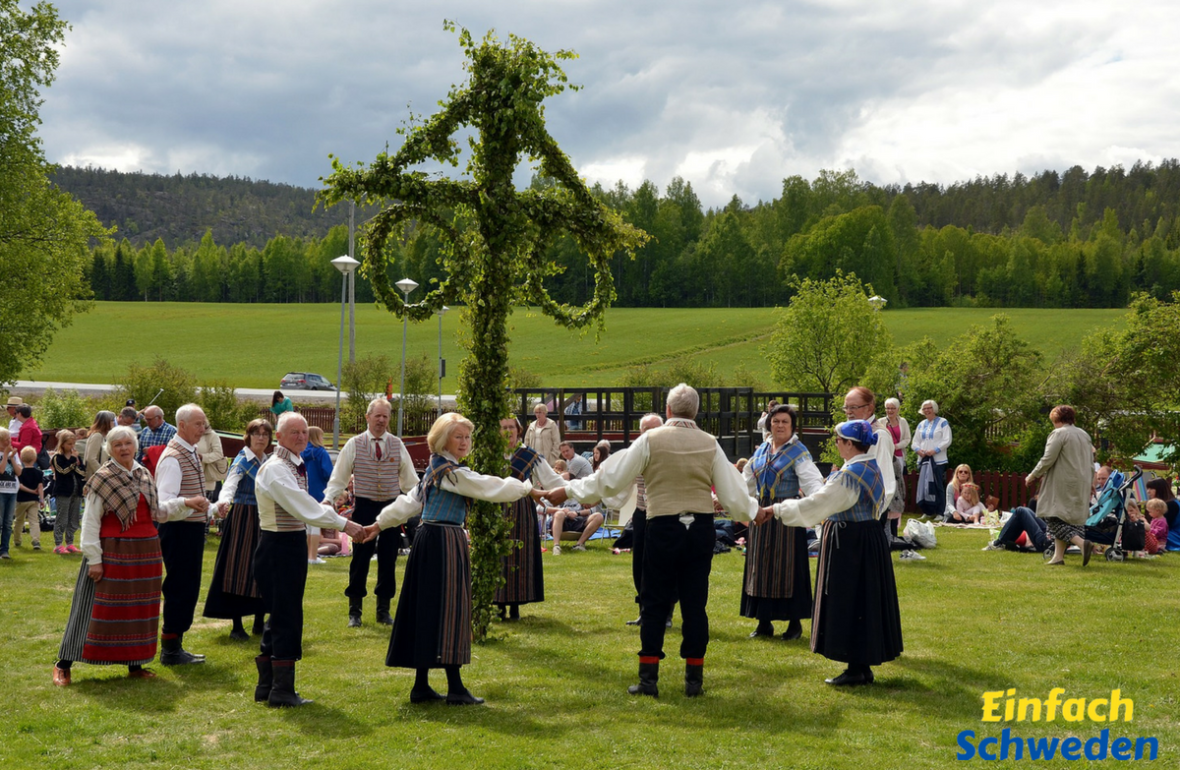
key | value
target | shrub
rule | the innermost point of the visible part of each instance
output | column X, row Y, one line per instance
column 64, row 409
column 223, row 409
column 175, row 386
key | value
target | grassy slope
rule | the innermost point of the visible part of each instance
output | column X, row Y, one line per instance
column 209, row 339
column 555, row 682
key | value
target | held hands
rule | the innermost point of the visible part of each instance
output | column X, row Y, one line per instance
column 355, row 531
column 538, row 495
column 222, row 509
column 95, row 572
column 556, row 496
column 764, row 515
column 198, row 503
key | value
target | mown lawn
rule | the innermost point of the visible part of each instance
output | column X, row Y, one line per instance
column 555, row 682
column 255, row 345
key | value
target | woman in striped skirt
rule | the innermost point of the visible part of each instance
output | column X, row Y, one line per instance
column 856, row 618
column 777, row 579
column 432, row 628
column 524, row 582
column 233, row 594
column 116, row 607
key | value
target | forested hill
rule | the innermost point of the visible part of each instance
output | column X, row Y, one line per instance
column 180, row 209
column 1071, row 239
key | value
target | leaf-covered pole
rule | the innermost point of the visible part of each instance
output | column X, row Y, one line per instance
column 495, row 239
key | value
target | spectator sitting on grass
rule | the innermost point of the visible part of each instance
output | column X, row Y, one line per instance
column 578, row 466
column 962, row 475
column 968, row 509
column 1157, row 534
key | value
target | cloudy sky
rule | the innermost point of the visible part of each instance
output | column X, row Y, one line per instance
column 731, row 96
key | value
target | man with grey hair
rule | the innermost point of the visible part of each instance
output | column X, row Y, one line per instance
column 381, row 469
column 280, row 562
column 157, row 433
column 681, row 466
column 180, row 484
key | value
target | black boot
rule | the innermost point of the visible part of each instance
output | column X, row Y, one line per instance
column 265, row 678
column 649, row 675
column 694, row 678
column 172, row 652
column 354, row 612
column 239, row 631
column 514, row 612
column 259, row 625
column 282, row 691
column 794, row 630
column 383, row 618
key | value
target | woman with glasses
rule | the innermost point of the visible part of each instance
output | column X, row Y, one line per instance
column 931, row 439
column 777, row 580
column 860, row 403
column 899, row 430
column 856, row 619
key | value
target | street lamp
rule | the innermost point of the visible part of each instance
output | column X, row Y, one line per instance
column 406, row 286
column 877, row 301
column 442, row 364
column 346, row 265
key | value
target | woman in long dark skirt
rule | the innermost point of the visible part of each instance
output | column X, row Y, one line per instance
column 233, row 593
column 777, row 580
column 524, row 581
column 115, row 613
column 856, row 619
column 432, row 627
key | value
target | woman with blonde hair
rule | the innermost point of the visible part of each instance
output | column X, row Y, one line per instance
column 95, row 453
column 68, row 478
column 432, row 627
column 319, row 469
column 899, row 430
column 962, row 476
column 233, row 592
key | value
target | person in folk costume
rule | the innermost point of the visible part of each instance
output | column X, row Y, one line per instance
column 639, row 526
column 280, row 562
column 856, row 619
column 115, row 611
column 432, row 627
column 681, row 465
column 861, row 404
column 777, row 579
column 180, row 484
column 524, row 582
column 233, row 592
column 381, row 469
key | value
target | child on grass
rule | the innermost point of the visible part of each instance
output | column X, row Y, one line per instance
column 1157, row 533
column 68, row 478
column 10, row 468
column 968, row 509
column 30, row 497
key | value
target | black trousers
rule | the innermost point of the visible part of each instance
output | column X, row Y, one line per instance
column 676, row 564
column 638, row 537
column 182, row 544
column 280, row 569
column 385, row 546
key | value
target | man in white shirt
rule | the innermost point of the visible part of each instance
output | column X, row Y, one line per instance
column 381, row 469
column 180, row 483
column 577, row 466
column 680, row 465
column 280, row 563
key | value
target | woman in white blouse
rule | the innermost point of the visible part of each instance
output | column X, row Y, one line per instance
column 931, row 439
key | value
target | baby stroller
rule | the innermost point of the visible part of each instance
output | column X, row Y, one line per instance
column 1111, row 510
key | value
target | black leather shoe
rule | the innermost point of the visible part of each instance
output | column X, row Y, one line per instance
column 426, row 696
column 464, row 698
column 181, row 657
column 239, row 634
column 794, row 631
column 1087, row 552
column 354, row 621
column 636, row 622
column 383, row 619
column 849, row 679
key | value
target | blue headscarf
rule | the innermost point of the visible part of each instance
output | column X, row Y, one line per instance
column 860, row 431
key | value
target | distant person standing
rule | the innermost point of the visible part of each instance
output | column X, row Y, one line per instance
column 381, row 469
column 95, row 454
column 13, row 404
column 10, row 469
column 1063, row 500
column 30, row 432
column 30, row 497
column 543, row 436
column 280, row 404
column 180, row 483
column 319, row 470
column 129, row 418
column 157, row 433
column 212, row 461
column 932, row 438
column 68, row 478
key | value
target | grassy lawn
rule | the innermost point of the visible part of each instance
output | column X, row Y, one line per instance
column 555, row 682
column 209, row 339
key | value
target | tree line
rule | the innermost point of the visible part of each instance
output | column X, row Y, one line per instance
column 1076, row 239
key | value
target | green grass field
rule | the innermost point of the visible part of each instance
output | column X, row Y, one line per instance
column 255, row 345
column 555, row 681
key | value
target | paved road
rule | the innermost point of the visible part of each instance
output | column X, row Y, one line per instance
column 37, row 387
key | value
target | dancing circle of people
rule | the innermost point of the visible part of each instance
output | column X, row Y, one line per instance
column 146, row 513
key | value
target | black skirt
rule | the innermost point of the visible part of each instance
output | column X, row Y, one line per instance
column 233, row 593
column 524, row 581
column 776, row 583
column 432, row 627
column 856, row 618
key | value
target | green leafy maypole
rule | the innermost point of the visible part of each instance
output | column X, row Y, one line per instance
column 495, row 240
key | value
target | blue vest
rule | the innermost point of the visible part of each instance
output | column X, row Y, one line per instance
column 775, row 474
column 438, row 504
column 523, row 461
column 865, row 478
column 244, row 495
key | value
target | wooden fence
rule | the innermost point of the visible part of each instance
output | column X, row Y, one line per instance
column 415, row 423
column 1009, row 487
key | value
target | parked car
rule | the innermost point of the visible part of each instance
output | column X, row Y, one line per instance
column 305, row 381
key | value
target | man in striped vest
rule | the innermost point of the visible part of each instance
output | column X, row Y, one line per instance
column 381, row 469
column 180, row 483
column 280, row 563
column 681, row 465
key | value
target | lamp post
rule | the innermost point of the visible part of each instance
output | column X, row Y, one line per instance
column 406, row 286
column 346, row 265
column 877, row 301
column 442, row 364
